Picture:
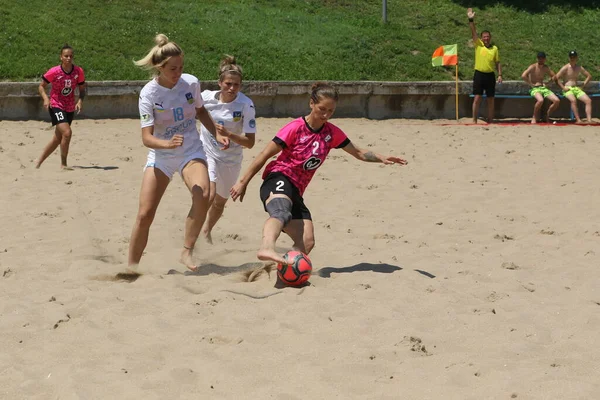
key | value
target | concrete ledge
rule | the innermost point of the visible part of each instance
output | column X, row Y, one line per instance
column 365, row 99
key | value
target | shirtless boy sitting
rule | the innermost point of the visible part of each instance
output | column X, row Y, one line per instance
column 569, row 74
column 534, row 76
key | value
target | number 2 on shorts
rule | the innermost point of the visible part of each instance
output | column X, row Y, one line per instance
column 279, row 187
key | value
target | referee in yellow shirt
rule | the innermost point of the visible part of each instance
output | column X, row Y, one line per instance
column 487, row 61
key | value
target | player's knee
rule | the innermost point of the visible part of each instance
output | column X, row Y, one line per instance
column 66, row 132
column 200, row 194
column 539, row 103
column 145, row 217
column 218, row 205
column 281, row 209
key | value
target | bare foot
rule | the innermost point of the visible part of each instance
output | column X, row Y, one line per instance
column 533, row 121
column 270, row 255
column 66, row 168
column 579, row 122
column 474, row 120
column 186, row 259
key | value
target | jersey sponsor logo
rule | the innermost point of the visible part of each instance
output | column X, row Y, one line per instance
column 304, row 138
column 237, row 116
column 178, row 129
column 66, row 91
column 145, row 117
column 311, row 163
column 252, row 123
column 327, row 138
column 189, row 98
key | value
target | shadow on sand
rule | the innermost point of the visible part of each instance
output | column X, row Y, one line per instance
column 107, row 168
column 207, row 269
column 381, row 268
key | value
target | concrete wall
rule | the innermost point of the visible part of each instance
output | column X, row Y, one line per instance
column 374, row 100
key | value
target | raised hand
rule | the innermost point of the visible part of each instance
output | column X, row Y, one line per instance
column 470, row 13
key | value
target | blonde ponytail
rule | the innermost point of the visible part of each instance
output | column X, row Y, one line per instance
column 160, row 53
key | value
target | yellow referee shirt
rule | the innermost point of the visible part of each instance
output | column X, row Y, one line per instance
column 485, row 58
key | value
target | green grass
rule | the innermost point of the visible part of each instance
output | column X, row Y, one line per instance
column 289, row 39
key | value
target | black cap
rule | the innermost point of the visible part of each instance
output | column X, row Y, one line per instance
column 572, row 53
column 541, row 54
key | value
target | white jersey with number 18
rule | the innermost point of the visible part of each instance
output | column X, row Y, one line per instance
column 172, row 112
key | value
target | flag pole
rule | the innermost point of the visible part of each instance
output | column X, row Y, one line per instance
column 457, row 91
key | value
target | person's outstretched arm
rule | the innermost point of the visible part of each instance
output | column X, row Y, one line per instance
column 369, row 156
column 471, row 16
column 239, row 189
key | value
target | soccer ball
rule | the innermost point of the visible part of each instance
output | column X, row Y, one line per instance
column 296, row 273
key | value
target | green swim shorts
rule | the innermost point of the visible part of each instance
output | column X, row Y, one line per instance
column 544, row 91
column 575, row 91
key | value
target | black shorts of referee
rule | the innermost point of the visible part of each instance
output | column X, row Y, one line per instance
column 484, row 82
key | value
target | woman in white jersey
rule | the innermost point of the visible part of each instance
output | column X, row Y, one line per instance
column 233, row 114
column 169, row 105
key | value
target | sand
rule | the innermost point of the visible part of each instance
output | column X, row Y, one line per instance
column 471, row 273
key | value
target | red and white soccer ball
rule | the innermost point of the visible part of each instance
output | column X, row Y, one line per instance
column 298, row 271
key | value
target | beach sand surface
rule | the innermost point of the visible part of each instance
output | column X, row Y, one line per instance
column 470, row 273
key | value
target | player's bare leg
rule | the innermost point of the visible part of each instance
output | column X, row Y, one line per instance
column 302, row 232
column 205, row 233
column 64, row 144
column 195, row 176
column 50, row 147
column 154, row 184
column 271, row 231
column 214, row 214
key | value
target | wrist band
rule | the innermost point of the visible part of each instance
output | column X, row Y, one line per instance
column 470, row 19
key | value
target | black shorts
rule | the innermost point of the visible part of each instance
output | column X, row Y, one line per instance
column 278, row 183
column 484, row 81
column 58, row 116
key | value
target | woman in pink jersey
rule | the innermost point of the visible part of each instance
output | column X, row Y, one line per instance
column 304, row 144
column 63, row 78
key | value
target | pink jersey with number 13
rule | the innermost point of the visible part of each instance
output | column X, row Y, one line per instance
column 304, row 150
column 62, row 91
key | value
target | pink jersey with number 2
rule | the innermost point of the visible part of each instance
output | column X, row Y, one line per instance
column 62, row 91
column 304, row 150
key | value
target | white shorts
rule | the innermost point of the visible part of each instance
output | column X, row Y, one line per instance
column 224, row 175
column 173, row 164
